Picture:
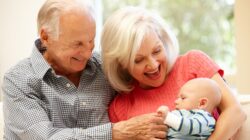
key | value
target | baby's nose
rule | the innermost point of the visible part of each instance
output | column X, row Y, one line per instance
column 177, row 101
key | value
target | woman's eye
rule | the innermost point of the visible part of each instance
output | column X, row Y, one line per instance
column 157, row 51
column 138, row 60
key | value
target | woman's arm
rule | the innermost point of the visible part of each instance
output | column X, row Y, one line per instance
column 232, row 116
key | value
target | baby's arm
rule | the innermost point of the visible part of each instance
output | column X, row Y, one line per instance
column 171, row 119
column 188, row 122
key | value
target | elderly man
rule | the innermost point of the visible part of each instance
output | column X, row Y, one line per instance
column 60, row 92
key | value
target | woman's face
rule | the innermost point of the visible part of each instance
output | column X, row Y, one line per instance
column 150, row 64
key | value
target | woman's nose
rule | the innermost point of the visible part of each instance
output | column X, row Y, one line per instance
column 152, row 63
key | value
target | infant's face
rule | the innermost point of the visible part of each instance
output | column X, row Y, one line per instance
column 187, row 99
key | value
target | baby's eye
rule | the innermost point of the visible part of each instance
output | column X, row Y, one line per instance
column 183, row 98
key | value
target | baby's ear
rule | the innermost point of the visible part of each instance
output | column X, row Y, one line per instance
column 162, row 111
column 203, row 103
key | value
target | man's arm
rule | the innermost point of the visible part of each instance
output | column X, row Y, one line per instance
column 147, row 126
column 27, row 118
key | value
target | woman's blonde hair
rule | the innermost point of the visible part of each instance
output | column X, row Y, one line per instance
column 50, row 12
column 122, row 36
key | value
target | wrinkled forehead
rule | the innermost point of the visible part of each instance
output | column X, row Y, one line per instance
column 77, row 21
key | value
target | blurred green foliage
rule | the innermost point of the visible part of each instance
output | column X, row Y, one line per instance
column 206, row 25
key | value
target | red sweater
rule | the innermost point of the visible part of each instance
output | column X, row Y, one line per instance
column 140, row 101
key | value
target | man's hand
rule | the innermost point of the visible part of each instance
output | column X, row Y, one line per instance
column 144, row 127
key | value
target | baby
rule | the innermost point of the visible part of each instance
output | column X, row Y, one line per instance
column 192, row 118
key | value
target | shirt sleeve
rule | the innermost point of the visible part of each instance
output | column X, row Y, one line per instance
column 26, row 118
column 195, row 122
column 201, row 65
column 173, row 120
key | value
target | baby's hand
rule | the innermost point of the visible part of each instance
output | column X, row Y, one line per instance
column 162, row 111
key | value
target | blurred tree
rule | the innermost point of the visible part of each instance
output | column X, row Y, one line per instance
column 199, row 24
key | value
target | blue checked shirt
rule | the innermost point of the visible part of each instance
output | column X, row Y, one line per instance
column 193, row 125
column 40, row 105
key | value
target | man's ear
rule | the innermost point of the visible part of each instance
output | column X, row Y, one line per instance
column 44, row 37
column 203, row 103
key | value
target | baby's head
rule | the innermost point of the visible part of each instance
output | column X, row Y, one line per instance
column 199, row 93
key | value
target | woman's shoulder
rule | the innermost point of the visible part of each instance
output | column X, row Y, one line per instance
column 194, row 54
column 192, row 57
column 198, row 64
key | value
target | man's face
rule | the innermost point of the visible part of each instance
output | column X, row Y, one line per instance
column 70, row 52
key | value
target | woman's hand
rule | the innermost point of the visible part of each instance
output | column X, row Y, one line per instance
column 143, row 127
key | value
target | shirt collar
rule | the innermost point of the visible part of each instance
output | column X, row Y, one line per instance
column 92, row 65
column 39, row 64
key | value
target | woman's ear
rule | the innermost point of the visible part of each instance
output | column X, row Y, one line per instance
column 203, row 103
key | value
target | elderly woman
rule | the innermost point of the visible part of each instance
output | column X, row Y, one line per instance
column 141, row 61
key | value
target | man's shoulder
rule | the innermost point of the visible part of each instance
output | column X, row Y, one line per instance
column 96, row 58
column 21, row 79
column 20, row 70
column 95, row 62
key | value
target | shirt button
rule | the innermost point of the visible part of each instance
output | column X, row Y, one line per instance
column 68, row 85
column 53, row 72
column 84, row 103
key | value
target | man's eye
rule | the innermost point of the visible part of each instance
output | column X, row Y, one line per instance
column 77, row 44
column 91, row 41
